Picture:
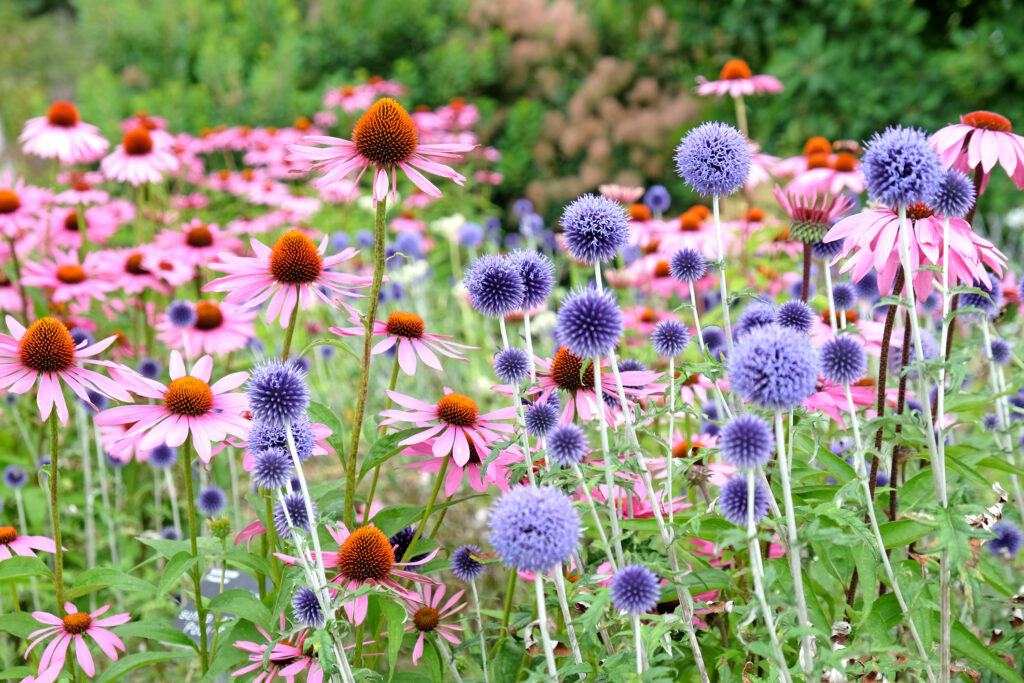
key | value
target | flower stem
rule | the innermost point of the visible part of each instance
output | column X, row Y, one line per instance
column 376, row 470
column 542, row 619
column 55, row 515
column 25, row 312
column 641, row 659
column 510, row 589
column 271, row 540
column 741, row 115
column 563, row 603
column 722, row 284
column 186, row 465
column 831, row 298
column 671, row 433
column 427, row 510
column 805, row 284
column 314, row 536
column 480, row 625
column 290, row 332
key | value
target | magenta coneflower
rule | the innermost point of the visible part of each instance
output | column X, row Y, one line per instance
column 11, row 544
column 138, row 159
column 67, row 232
column 22, row 207
column 75, row 626
column 292, row 273
column 811, row 216
column 219, row 328
column 69, row 279
column 189, row 405
column 736, row 80
column 63, row 135
column 840, row 175
column 127, row 269
column 982, row 138
column 386, row 139
column 429, row 615
column 286, row 659
column 350, row 97
column 197, row 243
column 408, row 331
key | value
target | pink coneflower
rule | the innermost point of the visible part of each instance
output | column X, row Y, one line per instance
column 982, row 138
column 128, row 270
column 189, row 405
column 736, row 80
column 429, row 615
column 408, row 331
column 841, row 175
column 67, row 232
column 74, row 627
column 384, row 138
column 63, row 135
column 47, row 353
column 197, row 243
column 22, row 207
column 219, row 328
column 455, row 420
column 473, row 471
column 350, row 97
column 10, row 297
column 69, row 279
column 11, row 544
column 831, row 399
column 291, row 274
column 138, row 159
column 811, row 214
column 621, row 193
column 287, row 658
column 82, row 190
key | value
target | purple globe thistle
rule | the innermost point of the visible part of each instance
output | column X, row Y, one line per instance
column 990, row 422
column 773, row 368
column 306, row 609
column 464, row 565
column 277, row 393
column 149, row 368
column 272, row 468
column 1008, row 540
column 635, row 589
column 867, row 287
column 1001, row 351
column 732, row 500
column 900, row 167
column 795, row 315
column 495, row 286
column 755, row 315
column 211, row 500
column 534, row 528
column 746, row 441
column 713, row 159
column 182, row 313
column 80, row 336
column 511, row 365
column 826, row 250
column 265, row 436
column 954, row 195
column 401, row 542
column 567, row 445
column 657, row 199
column 163, row 456
column 96, row 402
column 531, row 224
column 365, row 238
column 714, row 338
column 296, row 507
column 595, row 228
column 670, row 338
column 169, row 533
column 339, row 241
column 541, row 417
column 989, row 301
column 929, row 346
column 843, row 360
column 688, row 265
column 589, row 322
column 843, row 296
column 471, row 235
column 522, row 206
column 15, row 476
column 538, row 275
column 931, row 303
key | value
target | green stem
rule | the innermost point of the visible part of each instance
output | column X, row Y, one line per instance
column 509, row 590
column 383, row 430
column 55, row 515
column 272, row 540
column 186, row 464
column 428, row 509
column 291, row 331
column 17, row 277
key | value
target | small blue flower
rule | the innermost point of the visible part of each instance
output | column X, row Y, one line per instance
column 595, row 228
column 746, row 441
column 272, row 468
column 277, row 393
column 211, row 500
column 843, row 360
column 713, row 159
column 1001, row 351
column 669, row 338
column 567, row 445
column 843, row 296
column 635, row 589
column 511, row 365
column 1008, row 540
column 306, row 609
column 296, row 512
column 495, row 286
column 542, row 416
column 471, row 235
column 163, row 456
column 900, row 167
column 688, row 265
column 657, row 199
column 182, row 314
column 15, row 476
column 796, row 315
column 149, row 368
column 954, row 196
column 533, row 529
column 589, row 322
column 773, row 368
column 464, row 566
column 538, row 275
column 732, row 501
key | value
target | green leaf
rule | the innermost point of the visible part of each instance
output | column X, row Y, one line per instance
column 242, row 604
column 383, row 449
column 254, row 564
column 179, row 564
column 392, row 519
column 328, row 342
column 103, row 577
column 967, row 644
column 16, row 672
column 137, row 661
column 903, row 532
column 395, row 615
column 320, row 413
column 20, row 567
column 19, row 624
column 206, row 546
column 154, row 630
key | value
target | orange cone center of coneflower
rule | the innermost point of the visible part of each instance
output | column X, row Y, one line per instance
column 735, row 68
column 405, row 325
column 845, row 162
column 566, row 369
column 80, row 186
column 133, row 264
column 700, row 210
column 426, row 619
column 639, row 212
column 76, row 623
column 295, row 259
column 755, row 215
column 7, row 534
column 648, row 316
column 681, row 449
column 63, row 114
column 4, row 280
column 302, row 123
column 47, row 346
column 208, row 315
column 818, row 145
column 9, row 202
column 366, row 555
column 457, row 410
column 662, row 269
column 347, row 90
column 690, row 221
column 817, row 160
column 71, row 222
column 385, row 133
column 199, row 236
column 71, row 274
column 652, row 246
column 188, row 396
column 137, row 142
column 988, row 120
column 918, row 211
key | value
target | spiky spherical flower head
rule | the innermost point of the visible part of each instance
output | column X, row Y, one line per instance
column 843, row 296
column 954, row 196
column 589, row 322
column 401, row 541
column 827, row 250
column 746, row 441
column 990, row 422
column 538, row 275
column 294, row 509
column 755, row 315
column 714, row 338
column 163, row 456
column 900, row 167
column 211, row 500
column 1001, row 351
column 182, row 313
column 713, row 159
column 774, row 368
column 635, row 589
column 795, row 315
column 657, row 198
column 495, row 286
column 843, row 360
column 464, row 564
column 595, row 228
column 149, row 368
column 567, row 445
column 278, row 394
column 732, row 501
column 15, row 476
column 511, row 365
column 867, row 287
column 534, row 528
column 541, row 417
column 670, row 338
column 1008, row 540
column 688, row 265
column 989, row 300
column 306, row 608
column 169, row 533
column 272, row 468
column 268, row 436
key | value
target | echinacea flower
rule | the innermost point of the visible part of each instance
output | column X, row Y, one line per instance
column 196, row 243
column 12, row 543
column 384, row 138
column 69, row 279
column 22, row 207
column 429, row 615
column 74, row 627
column 408, row 332
column 139, row 159
column 188, row 406
column 736, row 80
column 292, row 273
column 811, row 216
column 284, row 658
column 218, row 327
column 982, row 139
column 63, row 135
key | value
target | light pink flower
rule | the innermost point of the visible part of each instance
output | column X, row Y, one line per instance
column 197, row 243
column 737, row 80
column 220, row 327
column 62, row 134
column 982, row 139
column 841, row 175
column 66, row 230
column 139, row 159
column 22, row 207
column 11, row 544
column 621, row 193
column 407, row 331
column 68, row 279
column 350, row 97
column 831, row 400
column 429, row 615
column 74, row 627
column 129, row 271
column 286, row 658
column 479, row 477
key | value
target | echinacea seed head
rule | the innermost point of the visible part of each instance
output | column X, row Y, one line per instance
column 47, row 346
column 133, row 264
column 919, row 211
column 385, row 134
column 817, row 144
column 7, row 534
column 71, row 222
column 63, row 115
column 295, row 259
column 407, row 325
column 188, row 396
column 9, row 202
column 735, row 69
column 845, row 162
column 366, row 555
column 71, row 274
column 566, row 369
column 208, row 315
column 426, row 619
column 77, row 623
column 199, row 236
column 137, row 142
column 988, row 120
column 457, row 410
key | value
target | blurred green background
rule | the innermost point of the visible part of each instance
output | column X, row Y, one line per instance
column 572, row 93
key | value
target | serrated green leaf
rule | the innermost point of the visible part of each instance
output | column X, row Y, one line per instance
column 383, row 449
column 967, row 644
column 903, row 532
column 154, row 630
column 178, row 565
column 102, row 577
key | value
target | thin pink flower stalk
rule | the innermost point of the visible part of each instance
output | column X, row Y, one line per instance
column 139, row 159
column 431, row 614
column 74, row 627
column 62, row 135
column 736, row 80
column 981, row 140
column 408, row 332
column 13, row 544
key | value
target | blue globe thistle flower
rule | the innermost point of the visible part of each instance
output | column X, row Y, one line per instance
column 256, row 346
column 713, row 159
column 339, row 241
column 306, row 609
column 688, row 265
column 163, row 456
column 512, row 241
column 1001, row 351
column 827, row 250
column 843, row 296
column 511, row 365
column 1017, row 401
column 464, row 566
column 796, row 315
column 364, row 238
column 211, row 500
column 471, row 235
column 114, row 463
column 302, row 364
column 954, row 195
column 900, row 167
column 773, row 368
column 182, row 314
column 169, row 533
column 266, row 436
column 325, row 351
column 990, row 422
column 296, row 507
column 867, row 287
column 635, row 589
column 271, row 468
column 989, row 301
column 931, row 303
column 708, row 424
column 96, row 403
column 839, row 446
column 732, row 501
column 531, row 224
column 843, row 360
column 534, row 528
column 408, row 244
column 149, row 368
column 277, row 393
column 929, row 345
column 492, row 228
column 589, row 323
column 541, row 417
column 714, row 340
column 538, row 275
column 755, row 315
column 401, row 541
column 567, row 445
column 15, row 476
column 595, row 228
column 631, row 253
column 495, row 286
column 81, row 336
column 657, row 199
column 746, row 441
column 669, row 338
column 522, row 206
column 1008, row 540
